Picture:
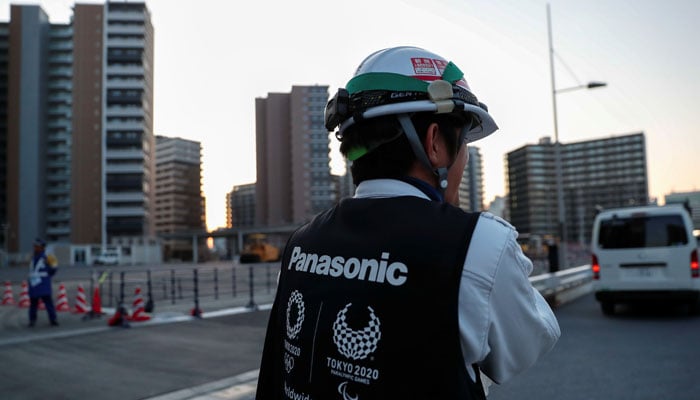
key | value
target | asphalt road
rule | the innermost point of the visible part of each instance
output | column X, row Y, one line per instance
column 646, row 352
column 98, row 362
column 640, row 353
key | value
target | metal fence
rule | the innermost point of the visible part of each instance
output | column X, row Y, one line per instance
column 216, row 287
column 171, row 289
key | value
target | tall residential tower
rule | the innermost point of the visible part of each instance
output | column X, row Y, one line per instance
column 598, row 174
column 471, row 190
column 180, row 205
column 79, row 117
column 293, row 156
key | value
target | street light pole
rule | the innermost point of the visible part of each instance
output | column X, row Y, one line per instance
column 561, row 211
column 561, row 217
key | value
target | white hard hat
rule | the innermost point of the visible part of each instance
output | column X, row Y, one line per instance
column 404, row 80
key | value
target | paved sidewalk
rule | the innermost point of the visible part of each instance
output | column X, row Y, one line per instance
column 240, row 387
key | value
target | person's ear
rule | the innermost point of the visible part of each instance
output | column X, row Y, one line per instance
column 433, row 144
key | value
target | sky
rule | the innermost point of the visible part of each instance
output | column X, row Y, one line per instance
column 213, row 58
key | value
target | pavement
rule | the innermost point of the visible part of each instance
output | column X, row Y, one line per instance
column 14, row 331
column 239, row 387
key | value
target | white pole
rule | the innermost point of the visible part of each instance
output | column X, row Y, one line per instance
column 557, row 154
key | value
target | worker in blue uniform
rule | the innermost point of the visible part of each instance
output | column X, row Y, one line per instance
column 41, row 268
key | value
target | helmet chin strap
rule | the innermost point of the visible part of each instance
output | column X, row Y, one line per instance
column 419, row 151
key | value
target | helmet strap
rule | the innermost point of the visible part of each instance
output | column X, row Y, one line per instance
column 419, row 151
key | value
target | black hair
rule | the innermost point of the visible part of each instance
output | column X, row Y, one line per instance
column 389, row 154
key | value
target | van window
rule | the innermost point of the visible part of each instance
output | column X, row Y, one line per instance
column 642, row 231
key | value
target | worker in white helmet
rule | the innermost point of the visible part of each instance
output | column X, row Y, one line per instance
column 397, row 293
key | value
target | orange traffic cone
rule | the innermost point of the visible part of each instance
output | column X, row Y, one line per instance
column 96, row 301
column 24, row 296
column 62, row 302
column 41, row 305
column 120, row 317
column 139, row 311
column 81, row 306
column 7, row 297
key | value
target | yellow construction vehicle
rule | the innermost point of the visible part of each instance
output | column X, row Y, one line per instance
column 258, row 249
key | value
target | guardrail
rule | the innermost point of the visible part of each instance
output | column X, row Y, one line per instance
column 551, row 285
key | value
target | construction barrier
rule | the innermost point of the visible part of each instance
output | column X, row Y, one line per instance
column 24, row 296
column 81, row 306
column 139, row 311
column 7, row 296
column 62, row 301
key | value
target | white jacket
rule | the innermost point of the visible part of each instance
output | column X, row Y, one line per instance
column 505, row 324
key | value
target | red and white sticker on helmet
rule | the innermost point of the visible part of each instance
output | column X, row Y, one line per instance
column 440, row 64
column 423, row 66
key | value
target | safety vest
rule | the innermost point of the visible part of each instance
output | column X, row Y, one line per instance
column 367, row 305
column 40, row 274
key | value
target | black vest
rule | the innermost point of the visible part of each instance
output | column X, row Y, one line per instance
column 366, row 306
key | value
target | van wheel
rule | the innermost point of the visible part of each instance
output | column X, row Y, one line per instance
column 608, row 307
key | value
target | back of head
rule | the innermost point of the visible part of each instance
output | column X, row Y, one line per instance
column 382, row 113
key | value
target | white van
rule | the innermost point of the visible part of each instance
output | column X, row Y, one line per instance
column 108, row 257
column 645, row 253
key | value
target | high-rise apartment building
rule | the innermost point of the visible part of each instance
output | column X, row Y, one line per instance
column 293, row 156
column 79, row 115
column 471, row 190
column 597, row 174
column 27, row 118
column 690, row 200
column 4, row 32
column 344, row 185
column 240, row 206
column 180, row 206
column 59, row 132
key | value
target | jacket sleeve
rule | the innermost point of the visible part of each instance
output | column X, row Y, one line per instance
column 51, row 264
column 505, row 324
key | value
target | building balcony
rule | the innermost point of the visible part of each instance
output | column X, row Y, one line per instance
column 114, row 16
column 57, row 163
column 58, row 230
column 132, row 154
column 62, row 59
column 121, row 111
column 62, row 189
column 124, row 84
column 59, row 204
column 57, row 150
column 124, row 58
column 125, row 212
column 127, row 42
column 125, row 126
column 61, row 45
column 124, row 168
column 125, row 196
column 125, row 70
column 120, row 95
column 58, row 217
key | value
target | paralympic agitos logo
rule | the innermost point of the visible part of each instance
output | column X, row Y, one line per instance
column 360, row 343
